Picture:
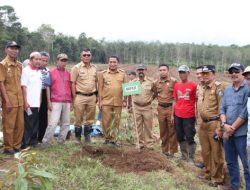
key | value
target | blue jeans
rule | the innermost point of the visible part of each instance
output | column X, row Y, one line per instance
column 234, row 147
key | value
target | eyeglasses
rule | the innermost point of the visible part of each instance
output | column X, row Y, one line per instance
column 236, row 71
column 64, row 60
column 86, row 55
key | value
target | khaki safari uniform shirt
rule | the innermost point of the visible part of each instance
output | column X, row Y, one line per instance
column 10, row 75
column 147, row 92
column 110, row 87
column 84, row 77
column 212, row 96
column 164, row 90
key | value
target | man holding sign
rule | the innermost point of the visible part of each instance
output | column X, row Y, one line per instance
column 143, row 109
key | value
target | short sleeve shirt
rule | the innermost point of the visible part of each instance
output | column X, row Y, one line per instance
column 84, row 77
column 110, row 87
column 10, row 75
column 32, row 79
column 147, row 91
column 185, row 97
column 164, row 90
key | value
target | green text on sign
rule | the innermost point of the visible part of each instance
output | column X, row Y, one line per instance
column 131, row 88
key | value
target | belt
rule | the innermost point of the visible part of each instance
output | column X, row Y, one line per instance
column 83, row 94
column 208, row 119
column 165, row 105
column 146, row 104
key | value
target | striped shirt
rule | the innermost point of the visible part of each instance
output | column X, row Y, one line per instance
column 44, row 73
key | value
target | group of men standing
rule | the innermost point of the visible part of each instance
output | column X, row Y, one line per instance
column 221, row 113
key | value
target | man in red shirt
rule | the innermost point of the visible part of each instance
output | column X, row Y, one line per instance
column 184, row 113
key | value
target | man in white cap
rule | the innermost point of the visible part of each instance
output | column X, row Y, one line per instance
column 184, row 113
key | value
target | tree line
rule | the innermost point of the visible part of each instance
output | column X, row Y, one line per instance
column 134, row 52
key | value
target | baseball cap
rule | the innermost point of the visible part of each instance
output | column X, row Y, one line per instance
column 132, row 73
column 62, row 56
column 246, row 71
column 12, row 44
column 237, row 66
column 208, row 68
column 141, row 67
column 184, row 68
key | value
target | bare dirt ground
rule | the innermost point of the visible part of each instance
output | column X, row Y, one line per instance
column 127, row 159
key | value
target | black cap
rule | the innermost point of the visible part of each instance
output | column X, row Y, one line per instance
column 141, row 67
column 237, row 66
column 208, row 68
column 12, row 44
column 132, row 73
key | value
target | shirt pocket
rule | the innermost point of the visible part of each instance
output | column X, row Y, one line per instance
column 239, row 100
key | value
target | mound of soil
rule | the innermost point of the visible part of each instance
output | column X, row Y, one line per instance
column 129, row 159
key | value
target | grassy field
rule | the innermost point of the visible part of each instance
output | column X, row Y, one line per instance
column 76, row 170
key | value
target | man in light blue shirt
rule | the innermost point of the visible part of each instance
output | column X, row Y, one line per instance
column 234, row 119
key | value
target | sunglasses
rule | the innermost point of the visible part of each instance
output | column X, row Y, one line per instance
column 86, row 55
column 64, row 60
column 236, row 71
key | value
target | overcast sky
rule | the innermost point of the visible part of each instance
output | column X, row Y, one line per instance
column 222, row 22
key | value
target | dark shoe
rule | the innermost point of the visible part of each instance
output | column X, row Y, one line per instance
column 87, row 138
column 17, row 150
column 43, row 145
column 106, row 142
column 78, row 134
column 87, row 131
column 114, row 143
column 203, row 177
column 229, row 188
column 169, row 155
column 9, row 152
column 200, row 165
column 68, row 135
column 214, row 183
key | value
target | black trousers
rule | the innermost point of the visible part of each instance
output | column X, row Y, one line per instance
column 185, row 129
column 30, row 128
column 43, row 116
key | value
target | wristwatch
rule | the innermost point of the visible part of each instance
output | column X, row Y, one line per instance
column 222, row 124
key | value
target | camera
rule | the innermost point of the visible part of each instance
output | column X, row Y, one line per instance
column 216, row 137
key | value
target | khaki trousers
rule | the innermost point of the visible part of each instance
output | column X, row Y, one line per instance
column 13, row 127
column 169, row 142
column 60, row 114
column 111, row 116
column 212, row 151
column 85, row 108
column 144, row 122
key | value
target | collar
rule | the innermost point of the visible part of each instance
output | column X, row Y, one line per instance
column 165, row 80
column 109, row 71
column 10, row 61
column 84, row 65
column 211, row 84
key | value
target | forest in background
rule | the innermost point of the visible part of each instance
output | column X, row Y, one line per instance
column 133, row 52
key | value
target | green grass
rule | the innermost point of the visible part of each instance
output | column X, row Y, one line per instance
column 85, row 173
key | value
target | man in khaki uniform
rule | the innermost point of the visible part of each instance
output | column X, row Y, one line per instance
column 143, row 108
column 211, row 146
column 12, row 97
column 164, row 90
column 199, row 98
column 84, row 91
column 110, row 98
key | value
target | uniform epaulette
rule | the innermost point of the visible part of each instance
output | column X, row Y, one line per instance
column 150, row 79
column 104, row 71
column 217, row 83
column 173, row 79
column 121, row 70
column 93, row 65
